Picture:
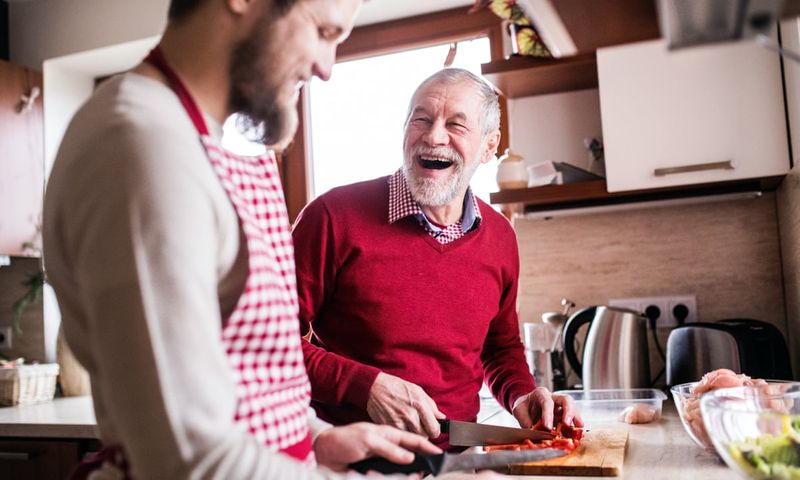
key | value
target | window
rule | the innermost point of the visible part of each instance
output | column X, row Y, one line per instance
column 356, row 119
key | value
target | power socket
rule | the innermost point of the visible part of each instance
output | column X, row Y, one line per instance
column 5, row 338
column 670, row 308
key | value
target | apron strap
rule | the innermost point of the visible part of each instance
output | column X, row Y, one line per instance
column 156, row 59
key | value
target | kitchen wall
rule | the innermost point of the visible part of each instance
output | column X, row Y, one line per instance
column 789, row 220
column 51, row 28
column 726, row 253
column 789, row 193
column 553, row 127
column 30, row 344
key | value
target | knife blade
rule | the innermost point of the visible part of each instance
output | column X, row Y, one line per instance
column 454, row 462
column 469, row 434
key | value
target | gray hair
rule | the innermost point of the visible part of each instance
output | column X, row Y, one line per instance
column 490, row 106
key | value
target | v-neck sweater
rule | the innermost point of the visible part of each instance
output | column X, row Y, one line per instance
column 384, row 297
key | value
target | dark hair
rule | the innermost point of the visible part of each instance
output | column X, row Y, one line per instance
column 179, row 9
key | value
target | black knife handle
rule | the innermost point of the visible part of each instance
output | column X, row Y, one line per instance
column 422, row 464
column 445, row 425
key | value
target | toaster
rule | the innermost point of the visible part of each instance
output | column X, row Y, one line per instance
column 752, row 347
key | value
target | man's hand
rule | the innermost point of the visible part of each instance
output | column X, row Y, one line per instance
column 540, row 404
column 338, row 446
column 393, row 401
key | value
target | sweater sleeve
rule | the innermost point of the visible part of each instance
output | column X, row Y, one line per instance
column 503, row 356
column 335, row 380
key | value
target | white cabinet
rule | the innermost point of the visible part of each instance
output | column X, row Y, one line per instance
column 699, row 115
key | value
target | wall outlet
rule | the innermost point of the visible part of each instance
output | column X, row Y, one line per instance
column 5, row 338
column 668, row 308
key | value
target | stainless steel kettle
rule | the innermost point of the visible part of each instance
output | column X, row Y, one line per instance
column 615, row 351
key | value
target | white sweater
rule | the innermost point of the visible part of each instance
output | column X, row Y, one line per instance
column 143, row 249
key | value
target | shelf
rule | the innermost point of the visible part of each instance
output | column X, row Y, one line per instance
column 522, row 76
column 593, row 193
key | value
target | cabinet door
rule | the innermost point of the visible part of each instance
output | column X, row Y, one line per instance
column 21, row 159
column 714, row 112
column 38, row 459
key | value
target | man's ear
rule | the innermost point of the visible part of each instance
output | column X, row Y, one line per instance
column 240, row 6
column 492, row 141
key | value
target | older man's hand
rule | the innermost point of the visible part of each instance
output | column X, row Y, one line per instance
column 542, row 405
column 396, row 402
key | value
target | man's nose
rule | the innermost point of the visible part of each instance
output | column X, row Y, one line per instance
column 324, row 65
column 437, row 134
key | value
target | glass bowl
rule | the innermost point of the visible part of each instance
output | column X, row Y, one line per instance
column 688, row 405
column 756, row 430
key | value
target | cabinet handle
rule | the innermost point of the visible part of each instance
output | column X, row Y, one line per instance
column 21, row 456
column 726, row 165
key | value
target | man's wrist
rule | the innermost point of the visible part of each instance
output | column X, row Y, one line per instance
column 518, row 401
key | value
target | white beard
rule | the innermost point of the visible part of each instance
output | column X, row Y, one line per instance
column 434, row 192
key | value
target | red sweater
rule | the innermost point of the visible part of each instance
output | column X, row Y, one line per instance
column 389, row 297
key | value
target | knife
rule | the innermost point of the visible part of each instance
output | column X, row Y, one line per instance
column 453, row 462
column 469, row 434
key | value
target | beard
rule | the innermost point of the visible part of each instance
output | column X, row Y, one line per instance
column 434, row 192
column 263, row 116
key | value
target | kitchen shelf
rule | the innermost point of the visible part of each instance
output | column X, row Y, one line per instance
column 593, row 193
column 523, row 76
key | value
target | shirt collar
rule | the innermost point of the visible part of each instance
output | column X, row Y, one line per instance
column 402, row 204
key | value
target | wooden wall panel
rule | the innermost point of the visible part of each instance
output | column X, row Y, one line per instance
column 727, row 254
column 789, row 220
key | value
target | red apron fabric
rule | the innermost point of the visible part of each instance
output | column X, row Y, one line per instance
column 262, row 335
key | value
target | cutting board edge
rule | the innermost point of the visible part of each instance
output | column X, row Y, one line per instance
column 610, row 464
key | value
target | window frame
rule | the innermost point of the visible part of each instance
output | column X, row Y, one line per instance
column 380, row 39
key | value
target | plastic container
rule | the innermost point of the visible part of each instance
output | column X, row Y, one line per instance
column 26, row 384
column 609, row 405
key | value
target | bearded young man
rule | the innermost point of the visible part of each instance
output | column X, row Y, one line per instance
column 172, row 258
column 408, row 283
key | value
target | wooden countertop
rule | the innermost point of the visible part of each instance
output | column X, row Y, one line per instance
column 68, row 417
column 656, row 451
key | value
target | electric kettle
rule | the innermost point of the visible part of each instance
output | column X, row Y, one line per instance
column 615, row 350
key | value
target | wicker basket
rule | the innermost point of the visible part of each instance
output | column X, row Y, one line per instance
column 26, row 384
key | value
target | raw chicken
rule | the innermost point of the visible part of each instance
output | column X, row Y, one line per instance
column 639, row 413
column 720, row 378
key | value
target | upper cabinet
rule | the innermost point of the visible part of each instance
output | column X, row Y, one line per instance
column 21, row 158
column 694, row 116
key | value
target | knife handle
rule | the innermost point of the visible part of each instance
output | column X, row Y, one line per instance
column 422, row 464
column 445, row 425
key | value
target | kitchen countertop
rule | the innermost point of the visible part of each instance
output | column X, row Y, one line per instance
column 656, row 451
column 68, row 417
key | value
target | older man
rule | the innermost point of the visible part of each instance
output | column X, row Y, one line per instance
column 408, row 283
column 172, row 258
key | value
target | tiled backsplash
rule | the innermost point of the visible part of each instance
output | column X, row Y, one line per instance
column 726, row 253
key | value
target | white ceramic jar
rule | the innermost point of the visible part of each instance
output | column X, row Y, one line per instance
column 512, row 171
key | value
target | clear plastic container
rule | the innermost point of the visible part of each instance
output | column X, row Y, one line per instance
column 614, row 404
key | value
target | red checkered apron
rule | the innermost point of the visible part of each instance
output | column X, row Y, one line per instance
column 262, row 336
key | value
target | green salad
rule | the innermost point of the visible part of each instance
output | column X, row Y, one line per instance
column 771, row 456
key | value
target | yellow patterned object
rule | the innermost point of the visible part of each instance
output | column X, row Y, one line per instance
column 527, row 42
column 509, row 10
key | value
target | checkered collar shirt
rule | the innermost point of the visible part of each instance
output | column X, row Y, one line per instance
column 402, row 204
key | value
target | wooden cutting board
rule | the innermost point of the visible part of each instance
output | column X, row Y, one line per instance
column 601, row 454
